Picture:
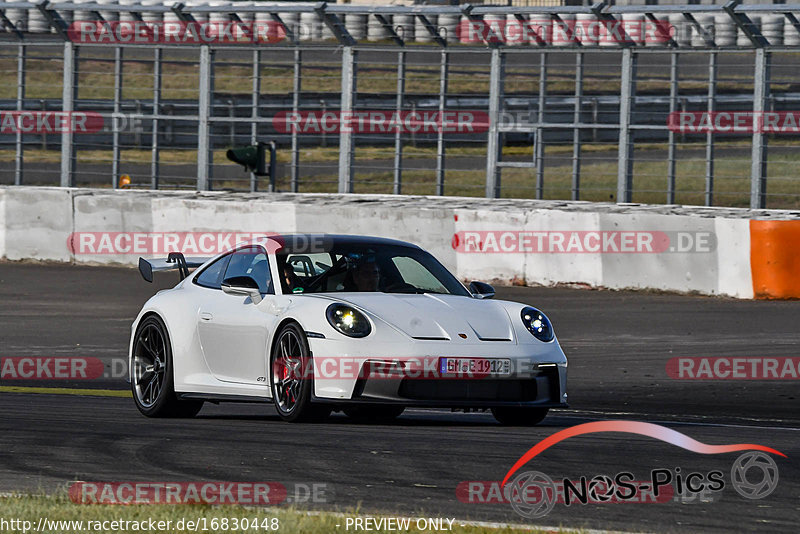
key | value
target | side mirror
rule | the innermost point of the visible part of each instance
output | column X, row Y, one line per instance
column 242, row 286
column 481, row 290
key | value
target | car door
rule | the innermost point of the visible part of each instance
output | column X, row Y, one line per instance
column 233, row 331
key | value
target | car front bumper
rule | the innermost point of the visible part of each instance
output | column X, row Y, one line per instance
column 411, row 377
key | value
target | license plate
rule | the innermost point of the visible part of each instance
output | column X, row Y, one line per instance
column 475, row 366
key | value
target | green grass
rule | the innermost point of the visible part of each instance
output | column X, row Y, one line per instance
column 599, row 180
column 59, row 507
column 180, row 78
column 598, row 176
column 67, row 391
column 309, row 154
column 598, row 183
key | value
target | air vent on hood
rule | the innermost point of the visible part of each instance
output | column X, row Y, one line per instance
column 431, row 338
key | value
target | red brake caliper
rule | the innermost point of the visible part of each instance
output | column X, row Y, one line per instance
column 285, row 375
column 293, row 399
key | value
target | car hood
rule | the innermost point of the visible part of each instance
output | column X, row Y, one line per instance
column 435, row 316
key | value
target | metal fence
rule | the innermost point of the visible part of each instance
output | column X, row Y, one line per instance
column 622, row 119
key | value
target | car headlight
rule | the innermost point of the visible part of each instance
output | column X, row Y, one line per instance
column 348, row 320
column 537, row 324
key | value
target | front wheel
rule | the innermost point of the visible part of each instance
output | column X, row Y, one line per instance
column 518, row 416
column 292, row 377
column 152, row 377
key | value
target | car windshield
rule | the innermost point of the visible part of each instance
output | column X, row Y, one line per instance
column 365, row 267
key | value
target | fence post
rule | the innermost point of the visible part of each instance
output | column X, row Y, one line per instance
column 68, row 106
column 231, row 125
column 115, row 148
column 43, row 106
column 136, row 125
column 673, row 106
column 443, row 72
column 273, row 161
column 625, row 164
column 154, row 150
column 297, row 88
column 539, row 135
column 576, row 132
column 758, row 169
column 494, row 146
column 203, row 127
column 323, row 106
column 19, row 158
column 398, row 139
column 712, row 96
column 349, row 61
column 254, row 99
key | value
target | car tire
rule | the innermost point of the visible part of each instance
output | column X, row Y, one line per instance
column 519, row 416
column 291, row 377
column 152, row 373
column 374, row 413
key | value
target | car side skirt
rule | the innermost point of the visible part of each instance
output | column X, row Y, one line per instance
column 218, row 397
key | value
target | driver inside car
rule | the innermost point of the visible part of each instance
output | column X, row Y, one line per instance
column 289, row 279
column 365, row 276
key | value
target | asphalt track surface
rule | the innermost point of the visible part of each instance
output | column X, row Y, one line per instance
column 617, row 343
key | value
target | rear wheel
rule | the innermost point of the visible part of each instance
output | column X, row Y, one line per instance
column 374, row 413
column 518, row 416
column 292, row 377
column 152, row 380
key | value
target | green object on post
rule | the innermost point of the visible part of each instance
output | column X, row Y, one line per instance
column 252, row 157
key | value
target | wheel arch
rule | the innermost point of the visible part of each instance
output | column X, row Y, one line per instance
column 274, row 339
column 139, row 320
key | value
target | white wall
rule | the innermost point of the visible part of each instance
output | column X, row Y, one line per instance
column 733, row 259
column 36, row 223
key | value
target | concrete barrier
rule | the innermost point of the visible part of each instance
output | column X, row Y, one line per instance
column 37, row 223
column 733, row 257
column 690, row 269
column 711, row 251
column 110, row 212
column 688, row 253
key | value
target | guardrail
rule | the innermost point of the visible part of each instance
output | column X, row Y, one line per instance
column 514, row 60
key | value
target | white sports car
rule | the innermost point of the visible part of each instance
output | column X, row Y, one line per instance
column 318, row 323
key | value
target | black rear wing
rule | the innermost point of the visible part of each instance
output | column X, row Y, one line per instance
column 175, row 262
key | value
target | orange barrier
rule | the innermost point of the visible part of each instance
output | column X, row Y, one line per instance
column 775, row 259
